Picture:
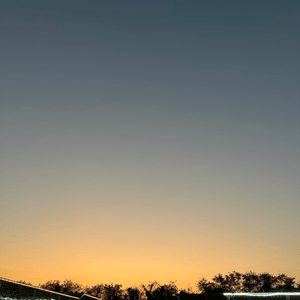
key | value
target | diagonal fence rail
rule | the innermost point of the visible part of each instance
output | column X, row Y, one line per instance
column 12, row 290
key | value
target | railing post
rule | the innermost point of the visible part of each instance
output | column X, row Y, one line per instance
column 19, row 292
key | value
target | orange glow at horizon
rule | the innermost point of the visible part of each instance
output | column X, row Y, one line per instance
column 126, row 256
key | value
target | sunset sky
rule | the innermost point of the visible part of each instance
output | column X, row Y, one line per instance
column 149, row 140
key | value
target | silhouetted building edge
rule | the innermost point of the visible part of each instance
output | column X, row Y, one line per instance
column 10, row 289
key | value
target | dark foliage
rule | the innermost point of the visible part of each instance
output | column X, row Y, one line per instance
column 132, row 294
column 112, row 292
column 232, row 282
column 24, row 282
column 67, row 287
column 96, row 290
column 155, row 291
column 247, row 282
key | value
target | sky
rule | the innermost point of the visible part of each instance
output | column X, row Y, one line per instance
column 149, row 140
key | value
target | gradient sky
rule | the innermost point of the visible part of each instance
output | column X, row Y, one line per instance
column 149, row 140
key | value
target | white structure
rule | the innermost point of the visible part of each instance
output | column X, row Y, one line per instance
column 279, row 294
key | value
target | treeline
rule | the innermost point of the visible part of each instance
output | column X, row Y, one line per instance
column 248, row 282
column 232, row 282
column 151, row 291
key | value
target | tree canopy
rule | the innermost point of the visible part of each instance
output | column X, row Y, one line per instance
column 247, row 282
column 231, row 282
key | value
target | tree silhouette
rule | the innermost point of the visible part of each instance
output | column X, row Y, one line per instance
column 112, row 292
column 71, row 288
column 67, row 287
column 96, row 290
column 24, row 282
column 247, row 282
column 51, row 285
column 132, row 293
column 155, row 291
column 149, row 289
